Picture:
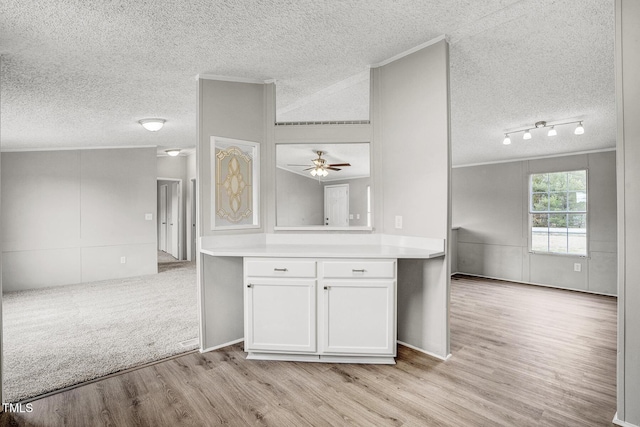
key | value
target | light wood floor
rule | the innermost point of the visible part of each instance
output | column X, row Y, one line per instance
column 522, row 356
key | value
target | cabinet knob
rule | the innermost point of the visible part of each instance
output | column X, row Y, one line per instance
column 326, row 288
column 249, row 285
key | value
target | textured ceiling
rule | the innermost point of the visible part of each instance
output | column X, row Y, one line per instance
column 80, row 73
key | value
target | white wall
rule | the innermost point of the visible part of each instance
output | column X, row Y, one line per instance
column 231, row 110
column 490, row 205
column 300, row 200
column 411, row 179
column 628, row 149
column 69, row 216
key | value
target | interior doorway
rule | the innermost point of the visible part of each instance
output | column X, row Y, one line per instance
column 170, row 228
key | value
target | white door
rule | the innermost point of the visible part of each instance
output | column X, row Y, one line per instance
column 280, row 315
column 163, row 218
column 336, row 205
column 358, row 316
column 174, row 221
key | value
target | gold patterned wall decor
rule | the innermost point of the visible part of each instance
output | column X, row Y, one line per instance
column 235, row 173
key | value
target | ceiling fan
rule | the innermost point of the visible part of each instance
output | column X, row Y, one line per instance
column 321, row 167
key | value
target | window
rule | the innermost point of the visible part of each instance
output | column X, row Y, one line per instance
column 558, row 212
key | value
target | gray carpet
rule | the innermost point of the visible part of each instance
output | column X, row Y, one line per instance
column 60, row 336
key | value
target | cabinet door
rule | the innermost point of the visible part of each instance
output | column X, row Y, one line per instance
column 280, row 315
column 358, row 317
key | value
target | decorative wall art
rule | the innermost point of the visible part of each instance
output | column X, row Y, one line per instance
column 235, row 168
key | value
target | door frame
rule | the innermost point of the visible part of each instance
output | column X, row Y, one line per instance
column 193, row 232
column 181, row 248
column 163, row 194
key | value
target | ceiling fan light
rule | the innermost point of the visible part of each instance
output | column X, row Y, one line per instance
column 152, row 125
column 579, row 129
column 173, row 152
column 506, row 140
column 552, row 131
column 527, row 135
column 313, row 172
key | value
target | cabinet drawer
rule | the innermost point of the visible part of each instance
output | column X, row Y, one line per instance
column 342, row 269
column 280, row 268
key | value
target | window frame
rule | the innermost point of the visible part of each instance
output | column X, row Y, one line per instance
column 530, row 213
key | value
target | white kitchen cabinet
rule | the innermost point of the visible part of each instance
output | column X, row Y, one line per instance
column 320, row 309
column 281, row 315
column 358, row 317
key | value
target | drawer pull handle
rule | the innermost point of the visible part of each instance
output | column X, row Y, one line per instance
column 359, row 271
column 280, row 269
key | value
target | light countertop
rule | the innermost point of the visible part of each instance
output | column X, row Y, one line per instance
column 323, row 251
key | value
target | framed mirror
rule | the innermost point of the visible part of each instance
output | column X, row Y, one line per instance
column 323, row 186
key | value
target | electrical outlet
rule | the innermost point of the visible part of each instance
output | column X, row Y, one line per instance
column 577, row 267
column 148, row 217
column 398, row 222
column 123, row 260
column 350, row 216
column 357, row 216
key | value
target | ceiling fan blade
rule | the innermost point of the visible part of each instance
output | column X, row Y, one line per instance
column 340, row 164
column 308, row 169
column 333, row 169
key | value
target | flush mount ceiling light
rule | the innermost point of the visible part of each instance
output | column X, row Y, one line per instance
column 152, row 125
column 172, row 152
column 542, row 124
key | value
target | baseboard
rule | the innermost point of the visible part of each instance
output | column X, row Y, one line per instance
column 534, row 284
column 618, row 422
column 320, row 358
column 227, row 344
column 428, row 353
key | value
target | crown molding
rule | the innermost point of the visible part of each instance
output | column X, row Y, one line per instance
column 19, row 150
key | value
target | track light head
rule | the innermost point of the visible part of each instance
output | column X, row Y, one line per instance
column 579, row 129
column 552, row 131
column 506, row 140
column 527, row 135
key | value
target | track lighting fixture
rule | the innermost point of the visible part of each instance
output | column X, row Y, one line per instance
column 579, row 130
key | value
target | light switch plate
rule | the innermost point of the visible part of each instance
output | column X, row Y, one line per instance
column 123, row 260
column 148, row 217
column 577, row 267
